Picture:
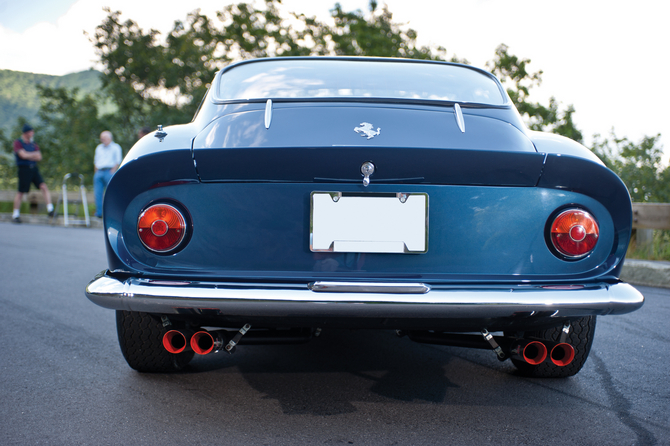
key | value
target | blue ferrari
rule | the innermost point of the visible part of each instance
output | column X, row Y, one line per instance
column 310, row 194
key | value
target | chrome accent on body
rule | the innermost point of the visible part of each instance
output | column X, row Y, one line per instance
column 369, row 287
column 367, row 169
column 458, row 113
column 160, row 133
column 236, row 339
column 268, row 113
column 488, row 337
column 558, row 248
column 517, row 303
column 367, row 130
column 181, row 237
column 361, row 223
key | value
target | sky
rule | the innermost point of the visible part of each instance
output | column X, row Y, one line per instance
column 609, row 59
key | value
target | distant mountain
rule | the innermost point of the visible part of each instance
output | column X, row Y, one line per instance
column 18, row 93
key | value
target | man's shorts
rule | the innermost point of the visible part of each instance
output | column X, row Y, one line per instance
column 27, row 175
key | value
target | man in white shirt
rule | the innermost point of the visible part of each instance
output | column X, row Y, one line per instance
column 108, row 156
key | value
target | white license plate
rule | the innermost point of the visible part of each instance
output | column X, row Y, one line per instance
column 390, row 223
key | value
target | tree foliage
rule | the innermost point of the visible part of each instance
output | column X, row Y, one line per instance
column 514, row 73
column 7, row 170
column 19, row 95
column 639, row 165
column 354, row 34
column 68, row 142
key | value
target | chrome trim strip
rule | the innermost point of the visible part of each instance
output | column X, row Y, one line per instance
column 276, row 300
column 459, row 117
column 363, row 223
column 268, row 113
column 368, row 287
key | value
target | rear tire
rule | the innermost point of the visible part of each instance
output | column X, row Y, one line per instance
column 580, row 337
column 140, row 338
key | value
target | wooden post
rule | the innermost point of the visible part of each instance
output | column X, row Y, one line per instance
column 646, row 218
column 644, row 240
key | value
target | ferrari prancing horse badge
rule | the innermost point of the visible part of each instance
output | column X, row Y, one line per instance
column 366, row 130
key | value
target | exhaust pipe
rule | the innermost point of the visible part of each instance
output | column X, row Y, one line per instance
column 176, row 341
column 532, row 352
column 204, row 342
column 561, row 354
column 535, row 352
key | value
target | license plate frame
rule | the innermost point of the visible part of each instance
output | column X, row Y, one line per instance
column 388, row 223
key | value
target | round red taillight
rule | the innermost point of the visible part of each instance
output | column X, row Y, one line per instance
column 161, row 227
column 574, row 233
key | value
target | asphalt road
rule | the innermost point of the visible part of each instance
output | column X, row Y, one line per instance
column 63, row 380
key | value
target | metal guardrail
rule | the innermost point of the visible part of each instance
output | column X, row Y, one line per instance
column 651, row 215
column 648, row 217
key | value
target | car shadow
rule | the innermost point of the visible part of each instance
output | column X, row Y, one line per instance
column 309, row 378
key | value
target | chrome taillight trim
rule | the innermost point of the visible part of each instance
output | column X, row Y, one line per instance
column 181, row 238
column 557, row 250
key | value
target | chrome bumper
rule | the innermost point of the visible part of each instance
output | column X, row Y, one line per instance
column 361, row 300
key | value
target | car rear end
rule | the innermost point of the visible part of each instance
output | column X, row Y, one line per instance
column 417, row 214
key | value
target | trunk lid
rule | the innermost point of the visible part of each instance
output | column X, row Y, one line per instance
column 321, row 144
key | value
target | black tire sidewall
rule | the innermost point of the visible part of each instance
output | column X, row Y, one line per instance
column 140, row 338
column 581, row 336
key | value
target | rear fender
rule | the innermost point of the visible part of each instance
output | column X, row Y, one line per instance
column 134, row 177
column 589, row 178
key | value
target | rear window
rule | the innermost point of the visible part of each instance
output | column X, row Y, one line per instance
column 346, row 78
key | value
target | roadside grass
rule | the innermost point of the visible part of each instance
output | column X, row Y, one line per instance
column 659, row 249
column 73, row 209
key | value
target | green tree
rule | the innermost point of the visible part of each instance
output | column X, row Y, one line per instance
column 149, row 82
column 7, row 163
column 354, row 34
column 248, row 32
column 514, row 74
column 251, row 33
column 68, row 142
column 639, row 165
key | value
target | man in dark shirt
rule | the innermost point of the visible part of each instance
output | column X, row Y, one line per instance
column 27, row 156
